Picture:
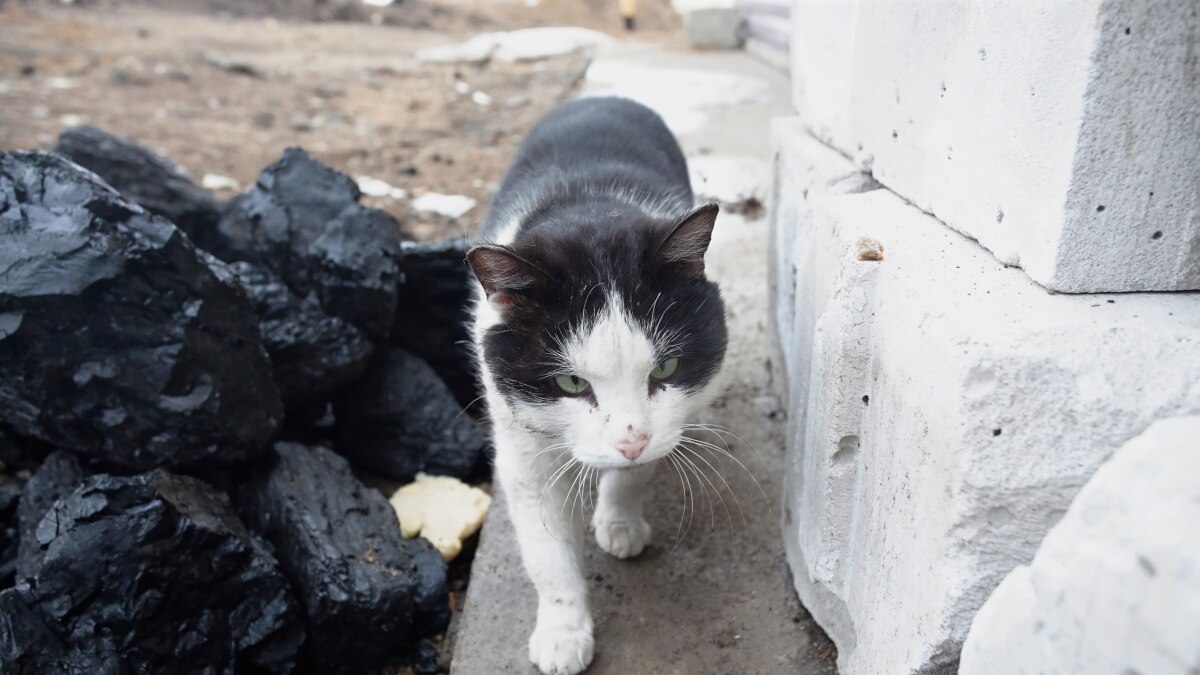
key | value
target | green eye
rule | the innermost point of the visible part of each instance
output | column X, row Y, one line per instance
column 572, row 384
column 665, row 369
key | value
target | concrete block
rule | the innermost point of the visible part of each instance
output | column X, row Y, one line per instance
column 1063, row 136
column 713, row 27
column 943, row 408
column 1115, row 586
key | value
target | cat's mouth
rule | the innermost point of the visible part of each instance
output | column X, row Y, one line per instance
column 626, row 465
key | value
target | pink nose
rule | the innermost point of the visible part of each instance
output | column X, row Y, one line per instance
column 632, row 448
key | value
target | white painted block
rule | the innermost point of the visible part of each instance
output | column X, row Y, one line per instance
column 713, row 27
column 943, row 408
column 1115, row 587
column 1064, row 136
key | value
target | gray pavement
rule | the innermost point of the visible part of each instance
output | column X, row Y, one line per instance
column 719, row 599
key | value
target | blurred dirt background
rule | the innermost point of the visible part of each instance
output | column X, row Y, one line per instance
column 223, row 86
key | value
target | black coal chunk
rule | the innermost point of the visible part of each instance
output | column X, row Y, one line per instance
column 302, row 220
column 142, row 176
column 312, row 353
column 10, row 497
column 19, row 453
column 424, row 659
column 151, row 574
column 435, row 291
column 400, row 419
column 365, row 589
column 55, row 479
column 28, row 646
column 116, row 340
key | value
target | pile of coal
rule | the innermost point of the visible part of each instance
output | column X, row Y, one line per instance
column 149, row 574
column 312, row 353
column 302, row 220
column 363, row 587
column 116, row 339
column 401, row 419
column 432, row 311
column 142, row 176
column 131, row 345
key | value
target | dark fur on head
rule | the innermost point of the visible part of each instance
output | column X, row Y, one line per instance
column 600, row 199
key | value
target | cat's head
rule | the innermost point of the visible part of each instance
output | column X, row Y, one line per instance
column 605, row 336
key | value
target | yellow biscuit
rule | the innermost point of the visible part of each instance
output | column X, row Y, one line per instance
column 442, row 509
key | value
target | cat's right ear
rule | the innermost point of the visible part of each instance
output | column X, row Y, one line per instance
column 503, row 273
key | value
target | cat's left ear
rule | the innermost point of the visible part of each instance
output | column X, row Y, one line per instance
column 503, row 273
column 684, row 248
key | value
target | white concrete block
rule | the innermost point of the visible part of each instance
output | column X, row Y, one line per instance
column 1115, row 586
column 943, row 408
column 1064, row 136
column 713, row 27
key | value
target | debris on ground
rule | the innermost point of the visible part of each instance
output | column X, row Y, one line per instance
column 229, row 65
column 733, row 182
column 450, row 206
column 442, row 509
column 374, row 187
column 218, row 183
column 868, row 249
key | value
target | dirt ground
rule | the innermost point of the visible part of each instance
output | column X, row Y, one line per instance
column 225, row 93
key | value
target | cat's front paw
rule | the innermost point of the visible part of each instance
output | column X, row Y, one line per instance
column 622, row 538
column 563, row 649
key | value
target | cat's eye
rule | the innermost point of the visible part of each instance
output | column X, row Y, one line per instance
column 664, row 369
column 572, row 384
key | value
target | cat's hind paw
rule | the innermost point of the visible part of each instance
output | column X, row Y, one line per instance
column 622, row 538
column 562, row 649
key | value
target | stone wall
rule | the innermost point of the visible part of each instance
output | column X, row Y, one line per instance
column 1115, row 587
column 961, row 207
column 1062, row 136
column 944, row 409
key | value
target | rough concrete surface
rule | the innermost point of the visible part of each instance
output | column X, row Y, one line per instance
column 1064, row 136
column 719, row 600
column 1115, row 587
column 713, row 28
column 944, row 409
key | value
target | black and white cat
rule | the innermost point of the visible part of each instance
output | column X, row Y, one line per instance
column 597, row 335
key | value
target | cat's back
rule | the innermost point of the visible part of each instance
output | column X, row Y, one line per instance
column 579, row 134
column 591, row 147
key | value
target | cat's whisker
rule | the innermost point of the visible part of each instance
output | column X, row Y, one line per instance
column 468, row 406
column 593, row 488
column 728, row 488
column 674, row 464
column 553, row 480
column 717, row 450
column 690, row 492
column 571, row 492
column 556, row 446
column 701, row 479
column 720, row 431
